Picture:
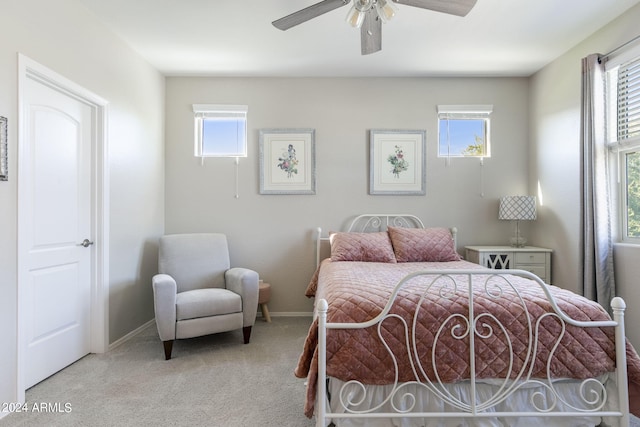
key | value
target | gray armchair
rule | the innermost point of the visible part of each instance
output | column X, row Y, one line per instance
column 197, row 293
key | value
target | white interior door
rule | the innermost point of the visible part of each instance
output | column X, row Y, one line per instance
column 55, row 217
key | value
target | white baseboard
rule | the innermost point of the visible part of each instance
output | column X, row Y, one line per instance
column 289, row 314
column 130, row 335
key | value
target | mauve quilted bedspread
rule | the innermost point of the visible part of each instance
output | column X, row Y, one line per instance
column 358, row 291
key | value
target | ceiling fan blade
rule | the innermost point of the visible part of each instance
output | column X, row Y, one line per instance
column 452, row 7
column 371, row 33
column 308, row 13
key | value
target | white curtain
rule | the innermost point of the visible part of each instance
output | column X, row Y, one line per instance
column 597, row 249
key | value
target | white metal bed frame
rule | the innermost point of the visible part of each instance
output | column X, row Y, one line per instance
column 495, row 282
column 472, row 328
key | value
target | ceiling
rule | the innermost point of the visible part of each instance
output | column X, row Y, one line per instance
column 236, row 38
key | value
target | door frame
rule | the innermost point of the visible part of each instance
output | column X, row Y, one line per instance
column 29, row 69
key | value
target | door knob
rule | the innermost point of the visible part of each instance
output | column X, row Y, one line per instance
column 86, row 243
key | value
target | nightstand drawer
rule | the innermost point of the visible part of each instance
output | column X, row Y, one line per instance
column 530, row 258
column 538, row 270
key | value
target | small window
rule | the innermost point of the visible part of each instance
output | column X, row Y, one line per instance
column 220, row 130
column 463, row 130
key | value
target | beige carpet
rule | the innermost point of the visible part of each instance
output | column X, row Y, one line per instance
column 210, row 381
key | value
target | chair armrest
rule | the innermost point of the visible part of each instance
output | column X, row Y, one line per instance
column 245, row 283
column 164, row 303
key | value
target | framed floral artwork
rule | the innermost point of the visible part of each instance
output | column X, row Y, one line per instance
column 398, row 162
column 287, row 161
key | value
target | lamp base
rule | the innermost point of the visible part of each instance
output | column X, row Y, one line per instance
column 518, row 242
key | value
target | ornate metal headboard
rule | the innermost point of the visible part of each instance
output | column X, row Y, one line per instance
column 372, row 223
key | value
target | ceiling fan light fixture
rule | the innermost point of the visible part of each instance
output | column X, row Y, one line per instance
column 356, row 14
column 386, row 10
column 355, row 18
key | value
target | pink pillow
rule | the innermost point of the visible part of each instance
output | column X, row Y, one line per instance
column 423, row 245
column 368, row 247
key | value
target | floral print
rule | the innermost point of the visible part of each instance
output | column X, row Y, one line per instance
column 288, row 162
column 398, row 162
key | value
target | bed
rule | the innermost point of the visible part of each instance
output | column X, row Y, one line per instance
column 408, row 334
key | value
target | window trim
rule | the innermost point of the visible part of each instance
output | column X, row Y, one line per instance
column 619, row 147
column 204, row 111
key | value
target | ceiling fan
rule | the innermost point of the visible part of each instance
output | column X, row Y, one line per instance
column 368, row 15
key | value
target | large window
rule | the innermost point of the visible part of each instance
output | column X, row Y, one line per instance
column 623, row 128
column 463, row 130
column 220, row 130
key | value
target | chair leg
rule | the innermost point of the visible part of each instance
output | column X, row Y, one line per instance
column 168, row 346
column 246, row 331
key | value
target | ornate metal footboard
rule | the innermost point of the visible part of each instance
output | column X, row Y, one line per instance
column 594, row 397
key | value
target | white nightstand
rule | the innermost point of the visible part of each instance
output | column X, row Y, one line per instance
column 530, row 258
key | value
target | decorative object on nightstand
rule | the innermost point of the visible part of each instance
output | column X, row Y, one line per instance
column 264, row 294
column 529, row 258
column 517, row 208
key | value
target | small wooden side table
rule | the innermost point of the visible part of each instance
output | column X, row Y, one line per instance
column 264, row 294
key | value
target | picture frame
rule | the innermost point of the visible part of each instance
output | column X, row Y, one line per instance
column 4, row 157
column 397, row 162
column 287, row 161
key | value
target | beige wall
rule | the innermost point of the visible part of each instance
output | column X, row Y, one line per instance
column 273, row 233
column 64, row 37
column 555, row 163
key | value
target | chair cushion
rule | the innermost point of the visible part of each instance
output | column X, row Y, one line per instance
column 206, row 303
column 195, row 261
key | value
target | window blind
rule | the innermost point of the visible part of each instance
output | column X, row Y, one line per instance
column 464, row 111
column 629, row 102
